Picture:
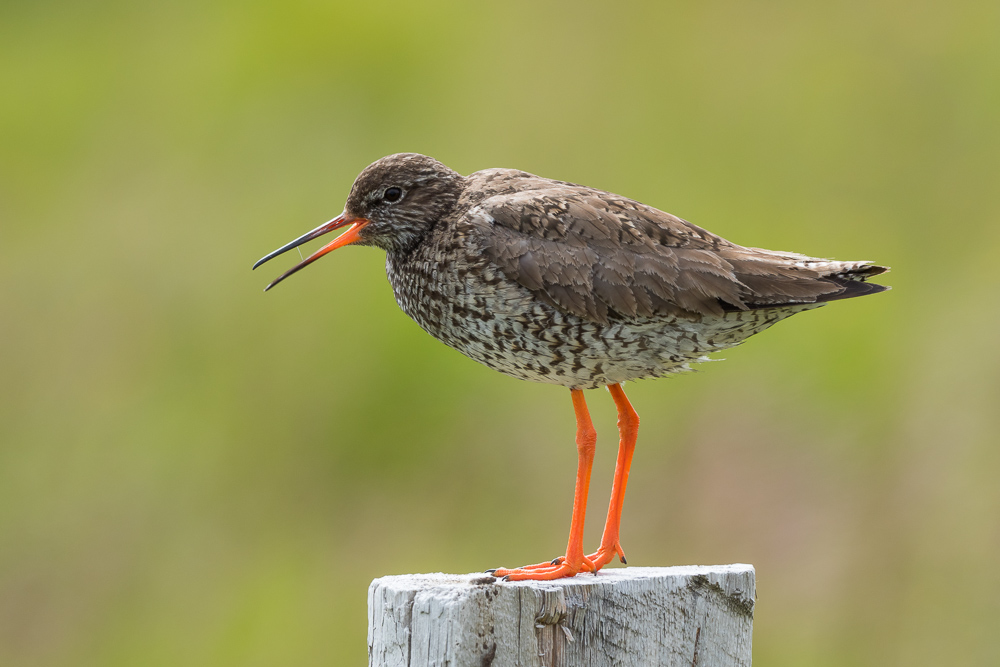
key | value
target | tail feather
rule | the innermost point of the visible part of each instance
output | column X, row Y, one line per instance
column 852, row 287
column 778, row 279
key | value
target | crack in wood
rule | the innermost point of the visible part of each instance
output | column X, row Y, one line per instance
column 697, row 640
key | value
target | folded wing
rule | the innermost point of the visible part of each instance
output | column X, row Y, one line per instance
column 602, row 257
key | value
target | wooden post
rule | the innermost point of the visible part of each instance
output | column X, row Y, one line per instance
column 690, row 616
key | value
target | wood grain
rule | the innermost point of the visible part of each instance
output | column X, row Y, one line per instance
column 690, row 616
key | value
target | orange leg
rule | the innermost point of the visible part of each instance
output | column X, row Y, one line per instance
column 628, row 429
column 574, row 561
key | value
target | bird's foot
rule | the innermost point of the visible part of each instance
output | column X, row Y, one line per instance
column 606, row 554
column 556, row 568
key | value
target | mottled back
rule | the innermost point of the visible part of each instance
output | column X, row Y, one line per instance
column 601, row 256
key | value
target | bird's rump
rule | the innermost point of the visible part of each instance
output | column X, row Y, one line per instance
column 600, row 256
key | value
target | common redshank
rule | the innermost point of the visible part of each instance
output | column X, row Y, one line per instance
column 555, row 282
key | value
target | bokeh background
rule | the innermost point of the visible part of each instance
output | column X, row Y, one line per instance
column 195, row 473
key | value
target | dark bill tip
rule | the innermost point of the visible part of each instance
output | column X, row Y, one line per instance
column 348, row 237
column 329, row 226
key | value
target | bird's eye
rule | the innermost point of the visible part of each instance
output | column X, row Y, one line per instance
column 392, row 194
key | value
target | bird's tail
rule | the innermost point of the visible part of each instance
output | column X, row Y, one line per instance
column 775, row 279
column 851, row 277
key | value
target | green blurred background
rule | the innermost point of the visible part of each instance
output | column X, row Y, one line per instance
column 195, row 473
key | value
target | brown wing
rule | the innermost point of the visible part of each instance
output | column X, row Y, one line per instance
column 601, row 257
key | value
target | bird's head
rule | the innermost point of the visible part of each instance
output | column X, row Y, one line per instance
column 393, row 203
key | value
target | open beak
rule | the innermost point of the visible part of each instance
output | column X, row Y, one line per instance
column 348, row 237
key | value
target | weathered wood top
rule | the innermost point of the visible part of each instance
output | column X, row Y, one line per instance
column 688, row 615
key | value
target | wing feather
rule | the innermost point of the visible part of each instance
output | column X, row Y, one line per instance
column 600, row 256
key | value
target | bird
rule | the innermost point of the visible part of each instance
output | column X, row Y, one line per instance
column 554, row 282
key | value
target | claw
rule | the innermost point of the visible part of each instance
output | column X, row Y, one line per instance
column 605, row 555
